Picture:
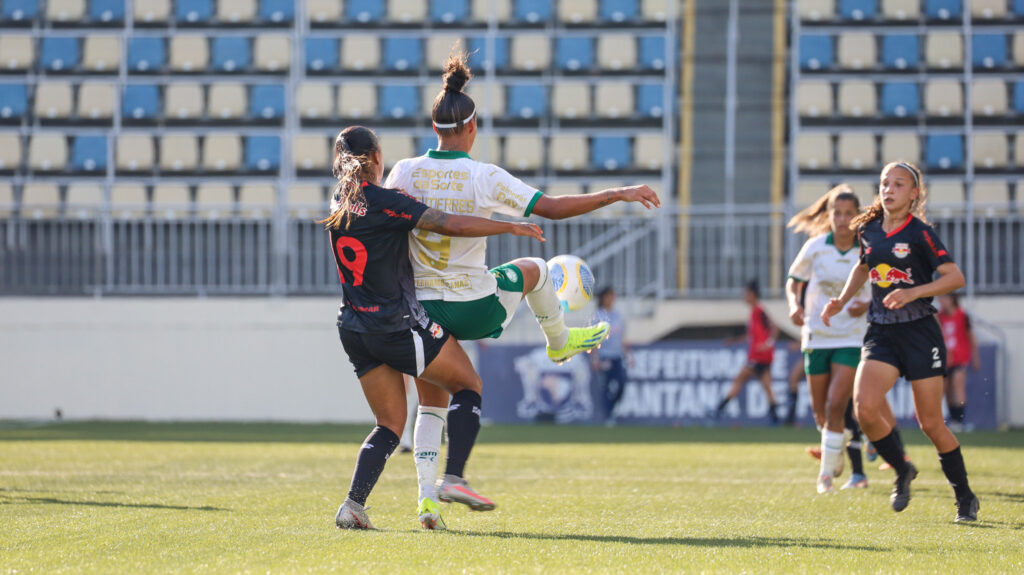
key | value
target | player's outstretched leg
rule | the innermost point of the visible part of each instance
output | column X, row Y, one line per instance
column 374, row 453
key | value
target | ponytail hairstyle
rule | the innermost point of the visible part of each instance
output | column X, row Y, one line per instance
column 453, row 109
column 353, row 164
column 875, row 210
column 814, row 219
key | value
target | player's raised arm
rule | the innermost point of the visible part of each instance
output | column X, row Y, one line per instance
column 561, row 207
column 434, row 220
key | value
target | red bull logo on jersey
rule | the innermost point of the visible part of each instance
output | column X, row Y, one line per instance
column 884, row 276
column 901, row 250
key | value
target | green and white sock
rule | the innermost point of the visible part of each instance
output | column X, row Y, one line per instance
column 427, row 447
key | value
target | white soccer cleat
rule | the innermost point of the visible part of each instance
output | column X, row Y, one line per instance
column 455, row 489
column 352, row 515
column 825, row 485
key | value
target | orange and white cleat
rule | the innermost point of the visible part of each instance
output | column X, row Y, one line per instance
column 455, row 489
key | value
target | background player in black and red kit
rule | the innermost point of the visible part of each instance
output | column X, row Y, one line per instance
column 761, row 334
column 382, row 326
column 900, row 253
column 962, row 349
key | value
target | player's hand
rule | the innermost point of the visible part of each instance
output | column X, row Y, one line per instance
column 642, row 194
column 796, row 315
column 528, row 230
column 834, row 306
column 857, row 308
column 898, row 298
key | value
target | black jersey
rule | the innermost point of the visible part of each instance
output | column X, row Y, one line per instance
column 903, row 258
column 373, row 263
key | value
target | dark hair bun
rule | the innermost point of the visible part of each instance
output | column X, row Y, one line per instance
column 456, row 71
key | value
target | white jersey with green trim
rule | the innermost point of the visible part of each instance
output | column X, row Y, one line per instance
column 447, row 268
column 825, row 269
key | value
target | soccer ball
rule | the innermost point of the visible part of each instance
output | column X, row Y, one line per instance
column 573, row 281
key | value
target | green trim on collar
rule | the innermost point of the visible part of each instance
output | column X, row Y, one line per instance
column 533, row 202
column 446, row 154
column 829, row 240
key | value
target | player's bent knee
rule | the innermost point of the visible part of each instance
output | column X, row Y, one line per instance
column 527, row 265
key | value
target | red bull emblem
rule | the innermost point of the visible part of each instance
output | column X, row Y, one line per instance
column 884, row 276
column 436, row 330
column 901, row 250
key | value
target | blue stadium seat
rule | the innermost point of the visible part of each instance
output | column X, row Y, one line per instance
column 816, row 51
column 533, row 11
column 89, row 154
column 424, row 143
column 262, row 153
column 610, row 153
column 1018, row 100
column 321, row 54
column 619, row 10
column 19, row 10
column 106, row 10
column 900, row 51
column 574, row 53
column 193, row 10
column 399, row 101
column 449, row 11
column 652, row 52
column 267, row 102
column 858, row 9
column 988, row 50
column 231, row 54
column 364, row 10
column 277, row 10
column 146, row 54
column 527, row 101
column 478, row 53
column 1018, row 7
column 945, row 151
column 60, row 54
column 140, row 102
column 944, row 9
column 13, row 101
column 403, row 54
column 650, row 100
column 901, row 99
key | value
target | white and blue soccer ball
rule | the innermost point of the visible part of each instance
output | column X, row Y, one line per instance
column 573, row 281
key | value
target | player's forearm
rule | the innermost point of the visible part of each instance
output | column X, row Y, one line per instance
column 561, row 207
column 855, row 281
column 793, row 289
column 462, row 226
column 951, row 280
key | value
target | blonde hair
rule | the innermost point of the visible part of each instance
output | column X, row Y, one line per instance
column 453, row 109
column 876, row 210
column 814, row 219
column 353, row 164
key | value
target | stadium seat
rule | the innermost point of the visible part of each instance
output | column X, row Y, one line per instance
column 649, row 151
column 619, row 10
column 151, row 11
column 449, row 11
column 650, row 100
column 574, row 53
column 357, row 100
column 944, row 151
column 992, row 195
column 140, row 102
column 486, row 148
column 815, row 10
column 943, row 9
column 1018, row 153
column 814, row 150
column 215, row 200
column 527, row 101
column 814, row 98
column 89, row 154
column 439, row 46
column 10, row 152
column 222, row 152
column 135, row 153
column 47, row 152
column 1018, row 97
column 946, row 193
column 267, row 102
column 306, row 200
column 652, row 52
column 65, row 10
column 106, row 10
column 991, row 150
column 489, row 98
column 231, row 54
column 533, row 11
column 857, row 98
column 856, row 50
column 858, row 9
column 101, row 54
column 1018, row 7
column 59, row 54
column 611, row 153
column 988, row 50
column 277, row 11
column 53, row 100
column 145, row 54
column 364, row 11
column 407, row 11
column 577, row 11
column 16, row 52
column 899, row 145
column 989, row 98
column 479, row 55
column 311, row 152
column 481, row 10
column 531, row 52
column 227, row 101
column 13, row 101
column 614, row 100
column 236, row 11
column 399, row 101
column 315, row 101
column 321, row 54
column 262, row 153
column 128, row 200
column 322, row 11
column 616, row 52
column 257, row 199
column 900, row 51
column 901, row 9
column 988, row 9
column 809, row 190
column 84, row 199
column 19, row 10
column 815, row 51
column 558, row 188
column 402, row 54
column 40, row 200
column 189, row 53
column 171, row 200
column 571, row 100
column 568, row 152
column 193, row 11
column 944, row 50
column 179, row 153
column 1018, row 49
column 856, row 150
column 944, row 97
column 901, row 99
column 395, row 147
column 273, row 53
column 184, row 102
column 524, row 152
column 360, row 53
column 654, row 10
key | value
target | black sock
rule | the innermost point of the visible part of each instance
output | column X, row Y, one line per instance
column 956, row 413
column 856, row 459
column 725, row 401
column 899, row 439
column 372, row 456
column 891, row 450
column 851, row 421
column 953, row 466
column 463, row 427
column 773, row 412
column 793, row 397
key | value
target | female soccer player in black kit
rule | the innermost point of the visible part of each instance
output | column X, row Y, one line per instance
column 899, row 254
column 384, row 330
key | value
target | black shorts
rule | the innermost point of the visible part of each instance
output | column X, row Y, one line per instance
column 759, row 368
column 409, row 351
column 916, row 348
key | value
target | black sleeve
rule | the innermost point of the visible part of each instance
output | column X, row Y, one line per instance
column 403, row 212
column 934, row 251
column 860, row 243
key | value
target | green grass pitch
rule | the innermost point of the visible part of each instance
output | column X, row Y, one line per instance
column 225, row 498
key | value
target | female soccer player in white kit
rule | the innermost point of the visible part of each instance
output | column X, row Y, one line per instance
column 452, row 279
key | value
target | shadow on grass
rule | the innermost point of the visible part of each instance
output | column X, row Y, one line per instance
column 752, row 541
column 1010, row 497
column 7, row 500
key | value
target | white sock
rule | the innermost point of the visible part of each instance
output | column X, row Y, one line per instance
column 831, row 451
column 427, row 447
column 547, row 309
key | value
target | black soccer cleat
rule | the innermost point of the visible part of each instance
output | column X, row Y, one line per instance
column 967, row 509
column 900, row 497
